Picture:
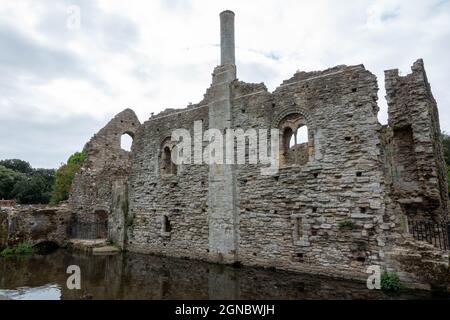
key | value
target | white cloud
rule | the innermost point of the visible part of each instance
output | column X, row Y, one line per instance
column 151, row 55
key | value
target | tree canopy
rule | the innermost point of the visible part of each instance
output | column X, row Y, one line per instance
column 32, row 190
column 17, row 165
column 19, row 181
column 8, row 179
column 64, row 177
column 77, row 159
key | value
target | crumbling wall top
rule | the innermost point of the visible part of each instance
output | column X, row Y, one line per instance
column 304, row 76
column 105, row 146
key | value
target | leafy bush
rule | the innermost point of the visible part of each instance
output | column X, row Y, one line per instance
column 347, row 225
column 390, row 282
column 64, row 177
column 24, row 248
column 7, row 252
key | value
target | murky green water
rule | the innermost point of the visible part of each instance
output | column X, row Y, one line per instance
column 133, row 276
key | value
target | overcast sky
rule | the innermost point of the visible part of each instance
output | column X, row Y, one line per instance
column 60, row 84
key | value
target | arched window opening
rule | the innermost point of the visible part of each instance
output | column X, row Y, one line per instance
column 125, row 142
column 288, row 138
column 167, row 165
column 302, row 135
column 293, row 141
column 297, row 142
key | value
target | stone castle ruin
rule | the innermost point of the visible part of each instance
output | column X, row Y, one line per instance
column 353, row 194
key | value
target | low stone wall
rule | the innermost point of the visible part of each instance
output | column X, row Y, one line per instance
column 419, row 264
column 34, row 224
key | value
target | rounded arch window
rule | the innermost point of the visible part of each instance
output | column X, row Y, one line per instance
column 126, row 141
column 168, row 167
column 297, row 143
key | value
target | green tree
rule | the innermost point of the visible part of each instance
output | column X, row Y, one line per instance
column 64, row 177
column 37, row 189
column 27, row 185
column 31, row 191
column 8, row 179
column 48, row 177
column 17, row 165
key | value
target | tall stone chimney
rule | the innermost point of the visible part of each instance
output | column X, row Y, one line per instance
column 222, row 209
column 227, row 37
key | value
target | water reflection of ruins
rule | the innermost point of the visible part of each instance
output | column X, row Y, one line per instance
column 132, row 276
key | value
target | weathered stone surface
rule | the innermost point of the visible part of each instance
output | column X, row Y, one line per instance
column 420, row 264
column 34, row 224
column 99, row 191
column 414, row 150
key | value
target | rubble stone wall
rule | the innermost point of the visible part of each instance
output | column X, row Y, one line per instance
column 34, row 224
column 417, row 163
column 169, row 212
column 292, row 220
column 107, row 167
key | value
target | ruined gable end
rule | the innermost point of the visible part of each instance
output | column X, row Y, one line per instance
column 99, row 192
column 417, row 162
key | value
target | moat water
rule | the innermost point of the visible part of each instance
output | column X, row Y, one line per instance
column 134, row 276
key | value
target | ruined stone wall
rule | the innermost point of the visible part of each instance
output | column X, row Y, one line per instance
column 340, row 202
column 291, row 220
column 168, row 211
column 34, row 224
column 333, row 212
column 104, row 174
column 415, row 163
column 415, row 179
column 337, row 205
column 343, row 180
